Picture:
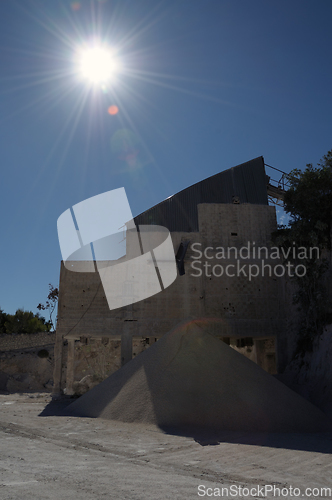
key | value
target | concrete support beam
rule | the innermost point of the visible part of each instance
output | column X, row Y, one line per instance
column 260, row 353
column 129, row 328
column 126, row 346
column 70, row 368
column 57, row 372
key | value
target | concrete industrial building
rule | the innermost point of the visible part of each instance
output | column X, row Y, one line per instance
column 224, row 213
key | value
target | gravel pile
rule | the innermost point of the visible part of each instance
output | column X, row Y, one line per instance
column 190, row 378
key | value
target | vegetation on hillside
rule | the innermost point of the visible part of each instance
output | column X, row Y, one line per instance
column 23, row 322
column 308, row 201
column 28, row 322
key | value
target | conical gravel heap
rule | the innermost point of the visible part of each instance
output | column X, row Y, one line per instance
column 189, row 378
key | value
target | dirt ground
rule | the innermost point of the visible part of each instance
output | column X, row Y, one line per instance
column 44, row 455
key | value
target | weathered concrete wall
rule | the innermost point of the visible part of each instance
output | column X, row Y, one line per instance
column 260, row 351
column 241, row 303
column 234, row 306
column 96, row 359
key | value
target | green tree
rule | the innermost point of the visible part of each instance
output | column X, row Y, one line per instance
column 308, row 201
column 25, row 322
column 3, row 319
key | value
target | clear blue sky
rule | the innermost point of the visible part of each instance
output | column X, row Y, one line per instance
column 205, row 85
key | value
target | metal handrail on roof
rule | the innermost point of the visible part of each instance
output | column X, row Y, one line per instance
column 276, row 189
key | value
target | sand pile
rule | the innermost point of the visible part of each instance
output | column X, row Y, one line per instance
column 189, row 378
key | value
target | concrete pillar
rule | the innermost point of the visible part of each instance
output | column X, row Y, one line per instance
column 70, row 368
column 126, row 346
column 57, row 372
column 127, row 335
column 260, row 353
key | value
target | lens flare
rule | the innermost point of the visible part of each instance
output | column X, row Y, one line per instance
column 113, row 110
column 98, row 64
column 76, row 6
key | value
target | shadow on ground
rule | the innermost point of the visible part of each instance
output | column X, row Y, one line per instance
column 56, row 408
column 320, row 442
column 311, row 442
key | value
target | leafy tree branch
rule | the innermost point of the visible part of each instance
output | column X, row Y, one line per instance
column 51, row 304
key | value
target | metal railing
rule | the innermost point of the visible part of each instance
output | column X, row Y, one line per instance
column 276, row 188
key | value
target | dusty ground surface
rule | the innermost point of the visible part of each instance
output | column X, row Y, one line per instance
column 47, row 456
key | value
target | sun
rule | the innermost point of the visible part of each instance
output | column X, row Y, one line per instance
column 98, row 64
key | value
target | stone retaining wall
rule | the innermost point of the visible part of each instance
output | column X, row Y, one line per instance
column 27, row 369
column 25, row 340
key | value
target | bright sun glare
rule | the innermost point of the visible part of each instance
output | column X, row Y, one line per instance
column 98, row 64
